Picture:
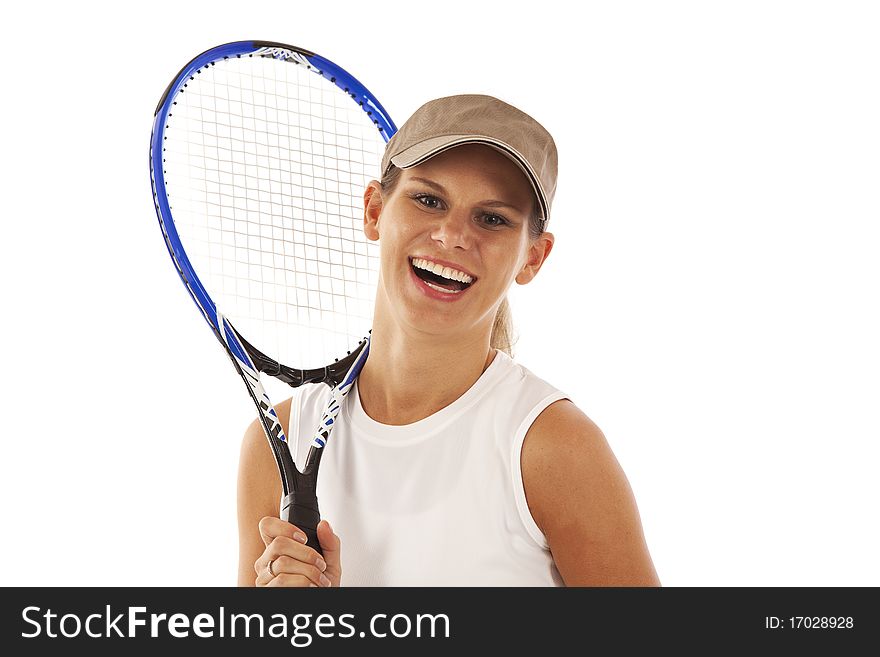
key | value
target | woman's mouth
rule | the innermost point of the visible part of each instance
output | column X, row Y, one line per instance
column 444, row 280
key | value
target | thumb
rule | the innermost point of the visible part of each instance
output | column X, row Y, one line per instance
column 331, row 546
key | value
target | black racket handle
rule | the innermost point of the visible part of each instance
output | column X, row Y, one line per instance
column 301, row 509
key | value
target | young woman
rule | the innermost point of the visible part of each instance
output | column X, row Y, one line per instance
column 451, row 463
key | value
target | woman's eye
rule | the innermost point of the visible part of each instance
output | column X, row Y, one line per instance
column 494, row 220
column 428, row 201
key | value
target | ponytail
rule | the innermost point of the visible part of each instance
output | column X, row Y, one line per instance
column 502, row 329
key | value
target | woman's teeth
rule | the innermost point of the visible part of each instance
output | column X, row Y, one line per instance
column 441, row 289
column 445, row 272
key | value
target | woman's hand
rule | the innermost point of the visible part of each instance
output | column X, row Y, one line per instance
column 286, row 561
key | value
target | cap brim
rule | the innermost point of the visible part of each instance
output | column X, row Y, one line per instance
column 425, row 150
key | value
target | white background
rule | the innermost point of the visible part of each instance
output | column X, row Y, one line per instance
column 711, row 301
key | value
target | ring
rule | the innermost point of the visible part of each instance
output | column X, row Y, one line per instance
column 269, row 568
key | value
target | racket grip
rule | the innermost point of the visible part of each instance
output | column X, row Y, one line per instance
column 301, row 509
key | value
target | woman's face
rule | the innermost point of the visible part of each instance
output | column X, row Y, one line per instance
column 467, row 210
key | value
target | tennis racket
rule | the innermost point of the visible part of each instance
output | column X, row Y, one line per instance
column 259, row 158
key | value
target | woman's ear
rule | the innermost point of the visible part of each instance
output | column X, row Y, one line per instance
column 538, row 251
column 372, row 209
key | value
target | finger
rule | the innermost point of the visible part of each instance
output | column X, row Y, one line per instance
column 271, row 527
column 289, row 566
column 283, row 546
column 264, row 576
column 266, row 568
column 286, row 547
column 331, row 546
column 328, row 539
column 291, row 581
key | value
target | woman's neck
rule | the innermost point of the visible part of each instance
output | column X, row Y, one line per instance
column 408, row 377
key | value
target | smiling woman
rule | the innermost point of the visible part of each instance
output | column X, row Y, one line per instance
column 502, row 328
column 452, row 464
column 447, row 214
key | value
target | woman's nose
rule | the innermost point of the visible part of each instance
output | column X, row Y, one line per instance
column 453, row 229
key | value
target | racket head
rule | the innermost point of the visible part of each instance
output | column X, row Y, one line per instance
column 299, row 294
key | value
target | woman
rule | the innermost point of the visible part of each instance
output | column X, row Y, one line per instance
column 452, row 464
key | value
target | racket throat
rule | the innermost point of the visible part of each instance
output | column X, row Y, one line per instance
column 331, row 375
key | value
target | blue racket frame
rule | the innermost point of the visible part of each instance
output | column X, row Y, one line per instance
column 246, row 359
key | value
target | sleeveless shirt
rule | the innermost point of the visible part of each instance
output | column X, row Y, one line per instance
column 439, row 502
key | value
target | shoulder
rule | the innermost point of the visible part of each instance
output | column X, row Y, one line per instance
column 257, row 467
column 564, row 448
column 520, row 385
column 307, row 397
column 254, row 436
column 581, row 500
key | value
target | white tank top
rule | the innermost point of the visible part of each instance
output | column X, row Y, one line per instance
column 439, row 502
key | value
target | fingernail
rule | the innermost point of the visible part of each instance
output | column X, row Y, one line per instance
column 321, row 564
column 325, row 581
column 312, row 586
column 300, row 537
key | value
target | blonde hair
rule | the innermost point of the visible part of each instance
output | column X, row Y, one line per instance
column 502, row 329
column 503, row 337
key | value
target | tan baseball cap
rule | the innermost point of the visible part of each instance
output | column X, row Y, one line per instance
column 444, row 123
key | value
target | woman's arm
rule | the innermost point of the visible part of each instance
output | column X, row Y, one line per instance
column 259, row 493
column 581, row 500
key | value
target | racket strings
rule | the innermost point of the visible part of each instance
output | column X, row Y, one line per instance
column 266, row 164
